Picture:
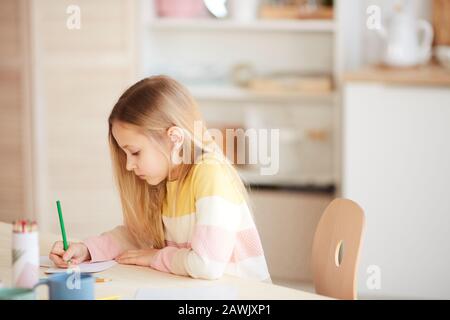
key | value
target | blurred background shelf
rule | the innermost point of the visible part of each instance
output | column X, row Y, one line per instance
column 262, row 72
column 229, row 92
column 257, row 25
column 293, row 182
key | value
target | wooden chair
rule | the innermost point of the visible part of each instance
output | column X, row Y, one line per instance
column 336, row 248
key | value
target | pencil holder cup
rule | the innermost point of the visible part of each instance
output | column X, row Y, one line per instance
column 25, row 259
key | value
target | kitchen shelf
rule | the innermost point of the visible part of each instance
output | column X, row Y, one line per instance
column 228, row 92
column 255, row 180
column 201, row 53
column 257, row 25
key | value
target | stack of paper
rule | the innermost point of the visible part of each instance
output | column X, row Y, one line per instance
column 84, row 267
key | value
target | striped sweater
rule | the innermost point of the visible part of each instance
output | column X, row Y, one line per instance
column 209, row 230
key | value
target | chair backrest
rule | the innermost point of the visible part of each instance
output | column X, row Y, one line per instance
column 336, row 247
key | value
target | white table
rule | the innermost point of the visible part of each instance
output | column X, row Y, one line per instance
column 127, row 279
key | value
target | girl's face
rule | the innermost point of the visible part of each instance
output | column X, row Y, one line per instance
column 144, row 156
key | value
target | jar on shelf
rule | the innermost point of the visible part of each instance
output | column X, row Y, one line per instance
column 180, row 8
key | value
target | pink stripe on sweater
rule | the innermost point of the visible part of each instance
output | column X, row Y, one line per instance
column 221, row 245
column 248, row 244
column 213, row 242
column 163, row 259
column 102, row 248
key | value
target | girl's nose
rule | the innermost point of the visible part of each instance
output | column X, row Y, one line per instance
column 130, row 165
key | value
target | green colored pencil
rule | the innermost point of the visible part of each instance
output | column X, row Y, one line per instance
column 63, row 229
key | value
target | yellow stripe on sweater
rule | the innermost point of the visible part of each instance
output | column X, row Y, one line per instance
column 208, row 177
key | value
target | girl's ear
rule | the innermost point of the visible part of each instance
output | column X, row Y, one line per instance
column 176, row 135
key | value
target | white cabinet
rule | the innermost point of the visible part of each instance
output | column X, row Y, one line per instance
column 396, row 165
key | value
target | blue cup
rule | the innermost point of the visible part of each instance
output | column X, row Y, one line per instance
column 69, row 286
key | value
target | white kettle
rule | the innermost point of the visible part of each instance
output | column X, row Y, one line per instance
column 402, row 40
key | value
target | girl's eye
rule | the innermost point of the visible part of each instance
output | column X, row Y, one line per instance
column 136, row 153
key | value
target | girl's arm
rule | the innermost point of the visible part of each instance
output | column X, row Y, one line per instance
column 219, row 211
column 210, row 251
column 110, row 244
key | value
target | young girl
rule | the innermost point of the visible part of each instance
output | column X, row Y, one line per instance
column 184, row 206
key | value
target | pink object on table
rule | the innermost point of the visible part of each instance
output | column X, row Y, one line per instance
column 28, row 276
column 180, row 8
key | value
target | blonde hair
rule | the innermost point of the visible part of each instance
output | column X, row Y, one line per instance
column 155, row 104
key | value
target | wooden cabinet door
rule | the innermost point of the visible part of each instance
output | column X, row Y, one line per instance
column 16, row 199
column 80, row 72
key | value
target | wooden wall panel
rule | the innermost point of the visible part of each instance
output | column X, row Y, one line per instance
column 13, row 109
column 83, row 72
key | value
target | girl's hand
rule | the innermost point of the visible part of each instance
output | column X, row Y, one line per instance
column 76, row 253
column 137, row 257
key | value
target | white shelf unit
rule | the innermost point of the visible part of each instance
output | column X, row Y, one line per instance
column 228, row 92
column 173, row 45
column 211, row 24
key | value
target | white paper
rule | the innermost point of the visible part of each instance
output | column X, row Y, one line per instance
column 83, row 267
column 220, row 292
column 44, row 261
